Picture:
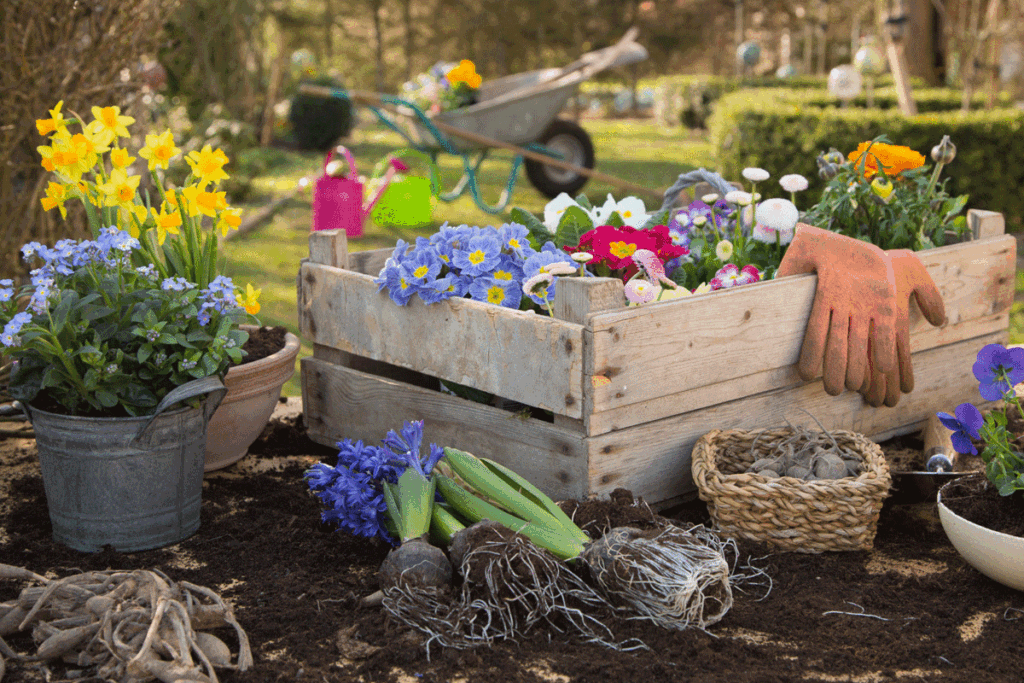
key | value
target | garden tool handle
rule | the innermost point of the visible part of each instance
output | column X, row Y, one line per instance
column 435, row 174
column 691, row 178
column 348, row 158
column 211, row 385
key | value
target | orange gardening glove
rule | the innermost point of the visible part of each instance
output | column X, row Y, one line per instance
column 852, row 327
column 911, row 280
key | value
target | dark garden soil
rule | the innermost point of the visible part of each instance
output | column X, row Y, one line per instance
column 263, row 342
column 909, row 610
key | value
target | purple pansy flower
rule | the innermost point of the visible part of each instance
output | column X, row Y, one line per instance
column 965, row 426
column 998, row 369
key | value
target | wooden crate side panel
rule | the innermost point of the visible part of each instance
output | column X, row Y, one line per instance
column 661, row 349
column 688, row 400
column 522, row 356
column 653, row 460
column 341, row 403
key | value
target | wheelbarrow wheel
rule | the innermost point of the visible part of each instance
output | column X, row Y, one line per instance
column 573, row 143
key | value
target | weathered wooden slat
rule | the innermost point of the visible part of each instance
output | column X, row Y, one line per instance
column 653, row 459
column 369, row 262
column 985, row 223
column 661, row 349
column 329, row 248
column 776, row 378
column 341, row 403
column 519, row 355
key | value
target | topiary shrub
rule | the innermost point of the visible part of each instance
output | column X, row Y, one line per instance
column 318, row 122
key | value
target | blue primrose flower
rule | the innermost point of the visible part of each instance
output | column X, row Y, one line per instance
column 507, row 293
column 965, row 426
column 479, row 256
column 515, row 238
column 451, row 285
column 998, row 369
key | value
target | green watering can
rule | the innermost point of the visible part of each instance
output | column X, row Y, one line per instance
column 408, row 201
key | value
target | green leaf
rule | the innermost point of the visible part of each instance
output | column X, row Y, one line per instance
column 538, row 233
column 583, row 201
column 416, row 501
column 658, row 218
column 96, row 312
column 106, row 398
column 575, row 221
column 615, row 220
column 144, row 352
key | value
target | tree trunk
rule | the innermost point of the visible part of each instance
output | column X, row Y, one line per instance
column 410, row 38
column 328, row 30
column 378, row 36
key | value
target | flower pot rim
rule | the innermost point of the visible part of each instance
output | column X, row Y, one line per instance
column 291, row 348
column 974, row 525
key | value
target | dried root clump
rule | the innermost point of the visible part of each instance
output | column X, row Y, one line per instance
column 807, row 455
column 674, row 577
column 132, row 626
column 509, row 585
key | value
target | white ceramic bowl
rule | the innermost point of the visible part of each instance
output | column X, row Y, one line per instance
column 997, row 555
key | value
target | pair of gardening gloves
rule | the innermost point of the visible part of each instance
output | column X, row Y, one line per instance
column 859, row 326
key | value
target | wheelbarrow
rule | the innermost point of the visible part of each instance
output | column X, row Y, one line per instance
column 517, row 113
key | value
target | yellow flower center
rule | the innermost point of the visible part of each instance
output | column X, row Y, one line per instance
column 627, row 214
column 477, row 257
column 495, row 295
column 514, row 243
column 163, row 152
column 125, row 193
column 421, row 271
column 622, row 249
column 502, row 275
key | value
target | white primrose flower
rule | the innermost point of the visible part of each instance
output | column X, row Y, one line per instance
column 756, row 175
column 555, row 208
column 582, row 257
column 739, row 197
column 559, row 268
column 710, row 198
column 794, row 182
column 631, row 209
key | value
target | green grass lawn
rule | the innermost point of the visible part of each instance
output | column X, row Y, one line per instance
column 639, row 152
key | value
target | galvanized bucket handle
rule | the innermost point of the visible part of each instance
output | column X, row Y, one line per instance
column 207, row 385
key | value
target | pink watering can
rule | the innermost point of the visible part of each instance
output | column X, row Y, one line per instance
column 338, row 197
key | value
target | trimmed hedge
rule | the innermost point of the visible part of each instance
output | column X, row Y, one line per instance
column 689, row 99
column 784, row 132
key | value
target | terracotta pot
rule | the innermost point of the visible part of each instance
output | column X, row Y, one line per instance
column 997, row 555
column 253, row 391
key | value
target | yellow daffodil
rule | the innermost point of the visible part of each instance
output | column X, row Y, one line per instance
column 250, row 301
column 56, row 194
column 171, row 198
column 90, row 146
column 133, row 216
column 230, row 219
column 199, row 201
column 208, row 164
column 54, row 123
column 67, row 155
column 119, row 158
column 120, row 189
column 167, row 221
column 109, row 124
column 159, row 150
column 466, row 73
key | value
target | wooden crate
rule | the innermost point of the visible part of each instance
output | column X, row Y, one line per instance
column 630, row 389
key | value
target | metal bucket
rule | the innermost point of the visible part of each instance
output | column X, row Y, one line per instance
column 134, row 483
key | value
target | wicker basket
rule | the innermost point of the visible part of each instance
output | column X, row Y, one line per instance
column 789, row 513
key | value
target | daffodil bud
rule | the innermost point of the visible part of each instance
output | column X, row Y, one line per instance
column 882, row 187
column 944, row 152
column 828, row 170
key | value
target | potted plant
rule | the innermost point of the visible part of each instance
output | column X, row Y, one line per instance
column 104, row 352
column 983, row 516
column 177, row 229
